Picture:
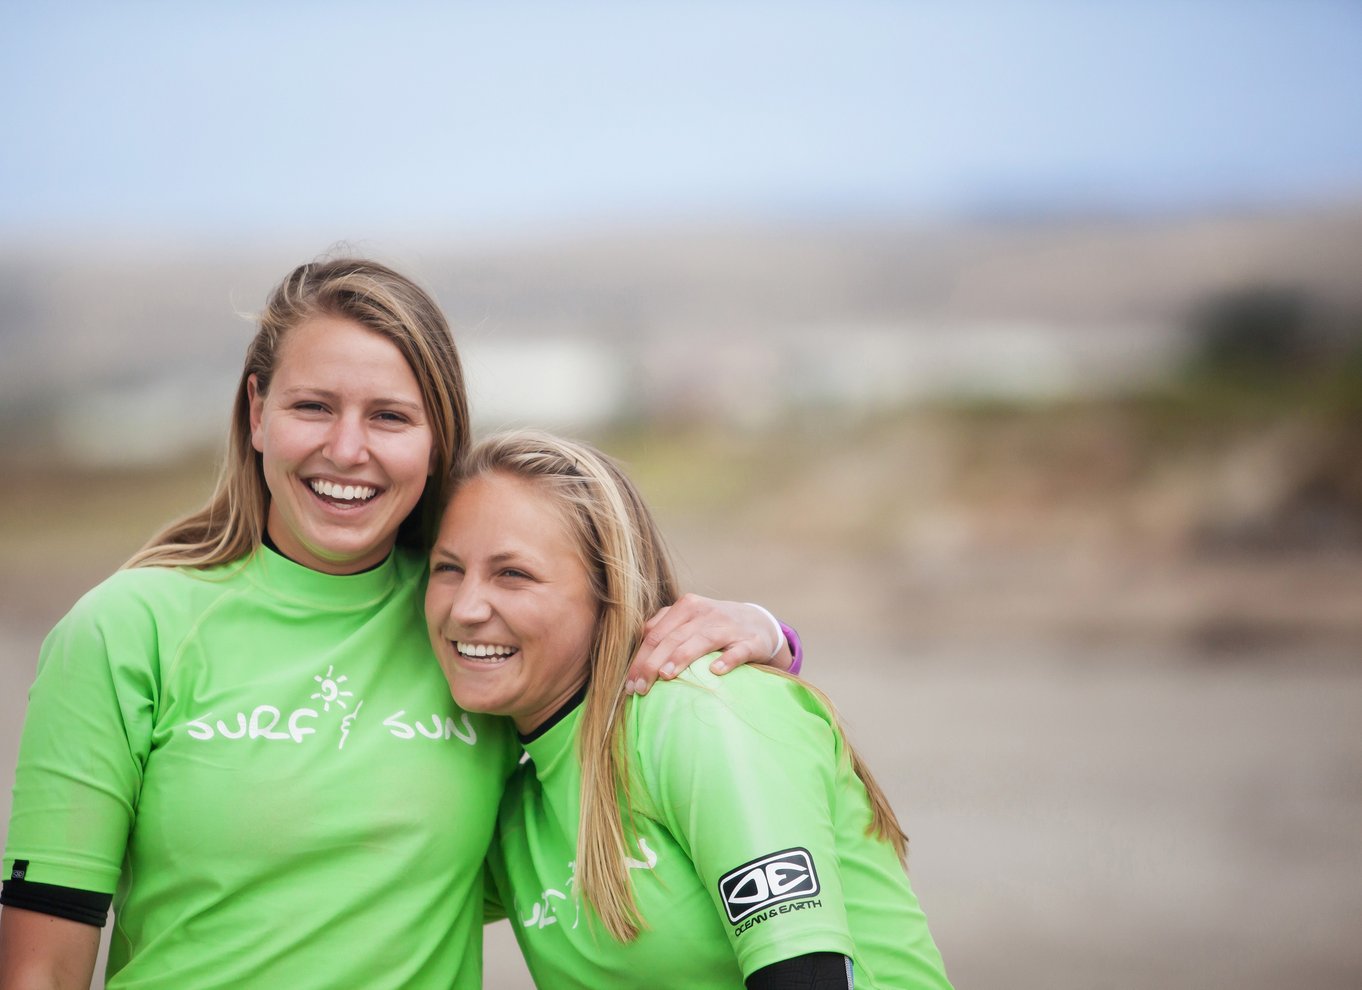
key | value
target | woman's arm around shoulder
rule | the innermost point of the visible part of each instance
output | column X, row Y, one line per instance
column 739, row 632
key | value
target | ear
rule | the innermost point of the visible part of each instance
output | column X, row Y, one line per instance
column 257, row 407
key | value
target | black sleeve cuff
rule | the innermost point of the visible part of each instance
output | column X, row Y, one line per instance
column 85, row 906
column 812, row 971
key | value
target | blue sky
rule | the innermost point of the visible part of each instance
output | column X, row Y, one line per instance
column 245, row 119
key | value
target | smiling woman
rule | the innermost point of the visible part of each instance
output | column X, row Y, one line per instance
column 241, row 740
column 671, row 821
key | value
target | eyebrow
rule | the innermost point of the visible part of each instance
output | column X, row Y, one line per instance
column 502, row 557
column 509, row 556
column 497, row 557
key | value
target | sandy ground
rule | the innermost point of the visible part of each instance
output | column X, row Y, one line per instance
column 1133, row 810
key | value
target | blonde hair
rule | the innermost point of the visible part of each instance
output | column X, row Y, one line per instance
column 632, row 577
column 231, row 524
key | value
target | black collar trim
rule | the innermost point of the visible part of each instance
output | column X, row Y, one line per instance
column 563, row 712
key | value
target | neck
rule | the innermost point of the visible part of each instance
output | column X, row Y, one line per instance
column 533, row 727
column 268, row 542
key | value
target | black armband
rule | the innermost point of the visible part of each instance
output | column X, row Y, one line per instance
column 85, row 906
column 813, row 971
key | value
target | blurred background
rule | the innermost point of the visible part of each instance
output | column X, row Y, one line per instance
column 1012, row 352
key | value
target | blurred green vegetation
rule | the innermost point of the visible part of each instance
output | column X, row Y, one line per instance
column 1271, row 350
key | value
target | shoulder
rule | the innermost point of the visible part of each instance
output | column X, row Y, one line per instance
column 703, row 737
column 746, row 688
column 703, row 711
column 142, row 595
column 126, row 622
column 154, row 584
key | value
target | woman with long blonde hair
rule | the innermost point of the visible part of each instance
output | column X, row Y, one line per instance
column 716, row 833
column 241, row 740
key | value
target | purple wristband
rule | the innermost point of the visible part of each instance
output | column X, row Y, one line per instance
column 796, row 650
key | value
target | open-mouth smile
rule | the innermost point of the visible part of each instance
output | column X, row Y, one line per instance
column 335, row 493
column 487, row 653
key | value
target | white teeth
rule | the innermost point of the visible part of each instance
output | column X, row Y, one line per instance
column 483, row 650
column 345, row 493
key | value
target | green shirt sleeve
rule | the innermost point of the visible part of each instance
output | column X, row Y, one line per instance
column 86, row 738
column 743, row 770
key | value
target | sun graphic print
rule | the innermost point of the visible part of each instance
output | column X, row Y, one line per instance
column 331, row 690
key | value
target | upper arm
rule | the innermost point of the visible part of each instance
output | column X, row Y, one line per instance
column 743, row 773
column 43, row 952
column 739, row 756
column 86, row 737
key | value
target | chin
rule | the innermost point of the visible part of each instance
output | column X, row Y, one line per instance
column 475, row 701
column 348, row 546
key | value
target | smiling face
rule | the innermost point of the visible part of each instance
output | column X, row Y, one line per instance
column 510, row 607
column 344, row 444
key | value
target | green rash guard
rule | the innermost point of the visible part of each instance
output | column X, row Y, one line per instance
column 263, row 764
column 748, row 846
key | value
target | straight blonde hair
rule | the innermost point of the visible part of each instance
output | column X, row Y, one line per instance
column 380, row 300
column 632, row 577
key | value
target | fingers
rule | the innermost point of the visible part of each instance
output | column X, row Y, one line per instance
column 656, row 620
column 669, row 636
column 735, row 656
column 665, row 656
column 694, row 627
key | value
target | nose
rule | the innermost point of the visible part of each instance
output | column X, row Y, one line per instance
column 468, row 603
column 347, row 442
